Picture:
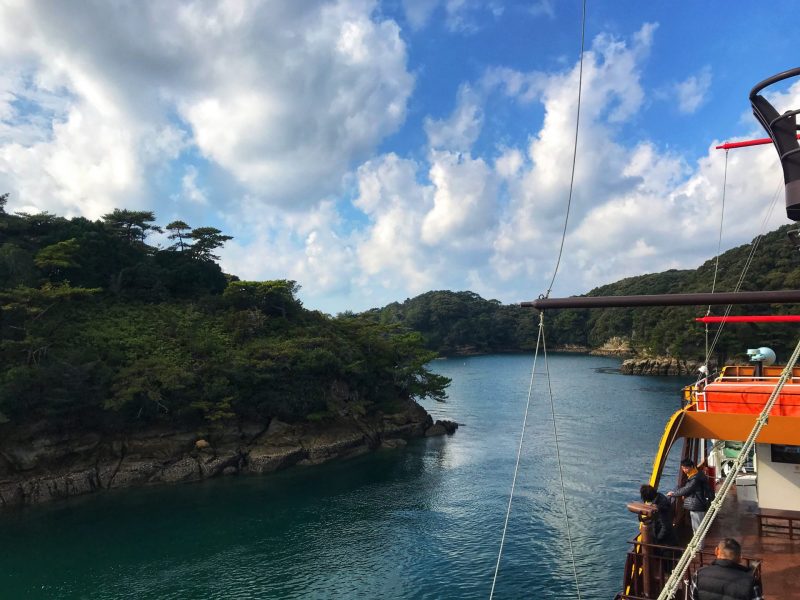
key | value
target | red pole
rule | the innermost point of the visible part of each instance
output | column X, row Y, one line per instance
column 758, row 142
column 751, row 319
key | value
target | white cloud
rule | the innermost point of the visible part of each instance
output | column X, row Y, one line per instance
column 692, row 93
column 458, row 220
column 464, row 203
column 391, row 252
column 418, row 12
column 189, row 188
column 284, row 98
column 462, row 128
column 464, row 16
column 288, row 103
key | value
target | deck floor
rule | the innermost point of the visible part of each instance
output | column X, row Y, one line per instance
column 780, row 567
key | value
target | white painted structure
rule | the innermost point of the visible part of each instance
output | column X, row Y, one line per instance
column 778, row 478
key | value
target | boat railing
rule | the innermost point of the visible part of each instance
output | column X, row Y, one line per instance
column 648, row 567
column 745, row 393
column 751, row 379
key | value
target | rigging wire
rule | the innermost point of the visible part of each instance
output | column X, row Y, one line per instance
column 540, row 339
column 719, row 246
column 746, row 267
column 516, row 465
column 558, row 459
column 671, row 587
column 574, row 152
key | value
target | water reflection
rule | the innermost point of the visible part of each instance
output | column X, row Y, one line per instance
column 420, row 522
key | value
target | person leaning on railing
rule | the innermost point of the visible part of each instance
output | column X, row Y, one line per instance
column 694, row 492
column 726, row 578
column 663, row 533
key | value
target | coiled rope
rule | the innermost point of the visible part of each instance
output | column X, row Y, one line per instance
column 671, row 587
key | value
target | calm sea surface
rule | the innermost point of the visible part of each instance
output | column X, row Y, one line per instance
column 421, row 522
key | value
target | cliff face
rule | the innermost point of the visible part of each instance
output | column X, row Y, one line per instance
column 37, row 465
column 660, row 366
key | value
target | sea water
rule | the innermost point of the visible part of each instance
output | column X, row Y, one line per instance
column 424, row 521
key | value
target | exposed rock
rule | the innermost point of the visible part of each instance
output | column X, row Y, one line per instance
column 265, row 459
column 441, row 428
column 437, row 429
column 660, row 366
column 615, row 346
column 38, row 465
column 576, row 348
column 394, row 443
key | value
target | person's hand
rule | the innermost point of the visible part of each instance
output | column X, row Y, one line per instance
column 669, row 494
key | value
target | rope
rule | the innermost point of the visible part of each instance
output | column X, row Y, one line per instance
column 693, row 547
column 516, row 466
column 540, row 340
column 746, row 267
column 719, row 246
column 558, row 459
column 574, row 152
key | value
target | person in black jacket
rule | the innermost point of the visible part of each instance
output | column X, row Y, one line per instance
column 693, row 492
column 725, row 578
column 663, row 533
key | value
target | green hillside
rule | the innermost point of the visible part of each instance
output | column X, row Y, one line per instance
column 101, row 329
column 457, row 322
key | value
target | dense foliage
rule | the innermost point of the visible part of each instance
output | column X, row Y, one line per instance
column 774, row 265
column 98, row 327
column 463, row 322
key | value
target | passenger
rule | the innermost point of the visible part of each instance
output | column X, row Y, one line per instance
column 694, row 492
column 663, row 533
column 725, row 577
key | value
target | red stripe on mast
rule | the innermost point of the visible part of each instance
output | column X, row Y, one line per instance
column 746, row 143
column 751, row 319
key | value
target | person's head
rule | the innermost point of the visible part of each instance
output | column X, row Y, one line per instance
column 687, row 464
column 730, row 549
column 648, row 493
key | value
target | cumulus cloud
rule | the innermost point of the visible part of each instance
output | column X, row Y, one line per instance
column 462, row 128
column 283, row 98
column 286, row 104
column 492, row 223
column 464, row 202
column 460, row 16
column 418, row 12
column 692, row 93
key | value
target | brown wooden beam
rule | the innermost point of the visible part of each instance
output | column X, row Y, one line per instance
column 700, row 299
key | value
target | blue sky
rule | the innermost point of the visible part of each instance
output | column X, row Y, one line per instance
column 376, row 150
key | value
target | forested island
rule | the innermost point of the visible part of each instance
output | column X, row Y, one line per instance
column 457, row 323
column 123, row 363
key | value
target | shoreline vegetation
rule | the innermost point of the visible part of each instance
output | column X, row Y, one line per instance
column 653, row 340
column 126, row 363
column 123, row 362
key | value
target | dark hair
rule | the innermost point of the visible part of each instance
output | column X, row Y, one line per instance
column 731, row 548
column 647, row 492
column 687, row 462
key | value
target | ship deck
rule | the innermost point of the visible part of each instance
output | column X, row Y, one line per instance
column 780, row 556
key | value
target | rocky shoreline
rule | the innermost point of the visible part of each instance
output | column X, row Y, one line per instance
column 660, row 366
column 38, row 465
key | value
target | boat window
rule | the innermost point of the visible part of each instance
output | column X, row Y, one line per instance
column 786, row 454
